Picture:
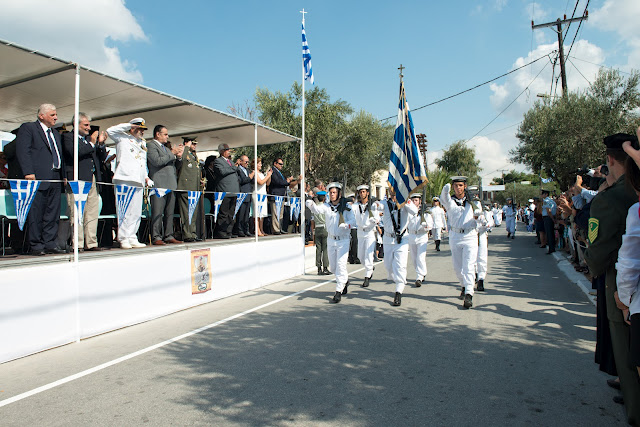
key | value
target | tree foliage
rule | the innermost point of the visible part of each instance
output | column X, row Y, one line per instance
column 515, row 176
column 438, row 178
column 560, row 137
column 459, row 159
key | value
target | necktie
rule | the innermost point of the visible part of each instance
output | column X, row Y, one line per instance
column 54, row 150
column 228, row 161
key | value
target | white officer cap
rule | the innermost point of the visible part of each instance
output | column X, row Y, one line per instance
column 458, row 179
column 138, row 121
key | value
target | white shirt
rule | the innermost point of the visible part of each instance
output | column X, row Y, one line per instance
column 628, row 265
column 332, row 219
column 131, row 155
column 55, row 151
column 460, row 217
column 439, row 220
column 419, row 227
column 365, row 223
column 404, row 213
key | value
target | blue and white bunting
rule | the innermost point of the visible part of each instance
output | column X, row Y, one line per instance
column 546, row 180
column 406, row 168
column 261, row 203
column 80, row 191
column 295, row 208
column 23, row 192
column 124, row 195
column 159, row 192
column 239, row 200
column 194, row 197
column 278, row 204
column 306, row 57
column 217, row 201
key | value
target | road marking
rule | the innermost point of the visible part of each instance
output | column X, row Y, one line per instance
column 129, row 356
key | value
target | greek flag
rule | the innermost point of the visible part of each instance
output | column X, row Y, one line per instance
column 23, row 192
column 124, row 194
column 295, row 208
column 406, row 169
column 159, row 192
column 261, row 203
column 194, row 197
column 239, row 200
column 80, row 193
column 217, row 201
column 546, row 180
column 278, row 204
column 306, row 57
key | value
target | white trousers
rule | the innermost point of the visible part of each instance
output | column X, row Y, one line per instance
column 418, row 251
column 437, row 233
column 464, row 253
column 338, row 251
column 366, row 248
column 483, row 254
column 511, row 225
column 395, row 261
column 128, row 228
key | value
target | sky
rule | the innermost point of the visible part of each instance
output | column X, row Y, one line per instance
column 218, row 53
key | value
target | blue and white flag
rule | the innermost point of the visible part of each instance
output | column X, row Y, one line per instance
column 194, row 197
column 217, row 201
column 261, row 203
column 295, row 208
column 80, row 193
column 159, row 192
column 23, row 192
column 546, row 180
column 406, row 168
column 306, row 57
column 278, row 203
column 124, row 195
column 239, row 200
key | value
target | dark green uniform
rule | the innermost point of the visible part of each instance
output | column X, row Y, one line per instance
column 606, row 226
column 188, row 179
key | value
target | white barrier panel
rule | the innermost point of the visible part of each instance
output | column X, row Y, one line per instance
column 38, row 304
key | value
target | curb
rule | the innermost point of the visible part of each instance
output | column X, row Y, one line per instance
column 565, row 266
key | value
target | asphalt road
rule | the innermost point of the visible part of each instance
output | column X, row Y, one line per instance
column 523, row 355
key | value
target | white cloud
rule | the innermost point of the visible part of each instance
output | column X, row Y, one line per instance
column 493, row 156
column 75, row 30
column 499, row 4
column 621, row 17
column 536, row 12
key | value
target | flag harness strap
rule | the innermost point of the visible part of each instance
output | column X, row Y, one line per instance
column 396, row 226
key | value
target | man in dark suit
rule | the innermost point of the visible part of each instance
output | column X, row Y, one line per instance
column 39, row 149
column 245, row 180
column 226, row 180
column 89, row 171
column 278, row 187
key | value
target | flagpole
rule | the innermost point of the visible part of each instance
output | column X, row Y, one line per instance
column 254, row 194
column 76, row 219
column 301, row 184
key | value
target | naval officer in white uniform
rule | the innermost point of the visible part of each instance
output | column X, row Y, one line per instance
column 439, row 222
column 418, row 229
column 367, row 218
column 510, row 212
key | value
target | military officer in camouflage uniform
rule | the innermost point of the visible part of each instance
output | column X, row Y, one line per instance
column 188, row 180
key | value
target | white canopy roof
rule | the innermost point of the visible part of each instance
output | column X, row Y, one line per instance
column 29, row 78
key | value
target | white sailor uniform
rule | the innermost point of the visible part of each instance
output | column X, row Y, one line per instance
column 484, row 224
column 463, row 238
column 418, row 238
column 367, row 217
column 339, row 237
column 439, row 222
column 497, row 216
column 510, row 218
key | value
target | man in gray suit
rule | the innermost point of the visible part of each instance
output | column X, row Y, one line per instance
column 162, row 171
column 226, row 174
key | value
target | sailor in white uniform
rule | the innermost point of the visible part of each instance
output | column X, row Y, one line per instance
column 367, row 218
column 510, row 212
column 439, row 222
column 484, row 220
column 396, row 241
column 463, row 236
column 497, row 215
column 339, row 221
column 131, row 170
column 418, row 229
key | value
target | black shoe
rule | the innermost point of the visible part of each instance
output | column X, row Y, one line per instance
column 356, row 261
column 326, row 271
column 57, row 251
column 550, row 252
column 234, row 236
column 37, row 252
column 397, row 300
column 461, row 293
column 189, row 240
column 337, row 297
column 614, row 384
column 320, row 273
column 467, row 301
column 618, row 399
column 508, row 234
column 197, row 239
column 418, row 283
column 513, row 237
column 253, row 235
column 241, row 234
column 366, row 282
column 481, row 285
column 345, row 290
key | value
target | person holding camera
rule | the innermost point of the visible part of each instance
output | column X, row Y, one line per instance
column 548, row 219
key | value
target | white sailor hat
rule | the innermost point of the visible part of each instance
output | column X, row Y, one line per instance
column 363, row 187
column 139, row 121
column 458, row 179
column 509, row 198
column 334, row 185
column 436, row 199
column 473, row 187
column 530, row 200
column 416, row 195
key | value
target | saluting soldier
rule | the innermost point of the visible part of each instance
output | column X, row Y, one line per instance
column 418, row 229
column 439, row 222
column 188, row 180
column 367, row 218
column 463, row 237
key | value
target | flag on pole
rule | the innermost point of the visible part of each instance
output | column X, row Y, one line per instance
column 239, row 200
column 295, row 208
column 23, row 192
column 159, row 192
column 546, row 180
column 124, row 195
column 194, row 197
column 278, row 204
column 217, row 201
column 261, row 203
column 80, row 193
column 306, row 57
column 406, row 168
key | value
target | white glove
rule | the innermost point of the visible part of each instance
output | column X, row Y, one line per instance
column 424, row 224
column 344, row 226
column 446, row 188
column 150, row 183
column 371, row 221
column 309, row 203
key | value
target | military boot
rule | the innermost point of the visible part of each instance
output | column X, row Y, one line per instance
column 481, row 285
column 468, row 301
column 397, row 300
column 337, row 297
column 366, row 282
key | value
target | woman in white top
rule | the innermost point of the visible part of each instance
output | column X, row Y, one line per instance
column 263, row 181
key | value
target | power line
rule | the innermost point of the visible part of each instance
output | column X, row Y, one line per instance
column 600, row 65
column 574, row 65
column 579, row 25
column 475, row 87
column 572, row 15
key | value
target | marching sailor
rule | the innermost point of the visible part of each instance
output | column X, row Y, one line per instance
column 463, row 237
column 439, row 222
column 497, row 215
column 396, row 241
column 484, row 220
column 367, row 218
column 418, row 229
column 339, row 220
column 510, row 212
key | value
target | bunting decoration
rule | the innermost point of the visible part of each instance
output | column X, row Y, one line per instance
column 80, row 193
column 217, row 201
column 194, row 197
column 124, row 195
column 278, row 203
column 295, row 208
column 261, row 203
column 23, row 192
column 239, row 200
column 159, row 192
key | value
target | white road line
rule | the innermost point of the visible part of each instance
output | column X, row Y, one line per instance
column 105, row 365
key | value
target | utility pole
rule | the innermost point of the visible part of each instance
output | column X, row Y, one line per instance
column 558, row 23
column 422, row 145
